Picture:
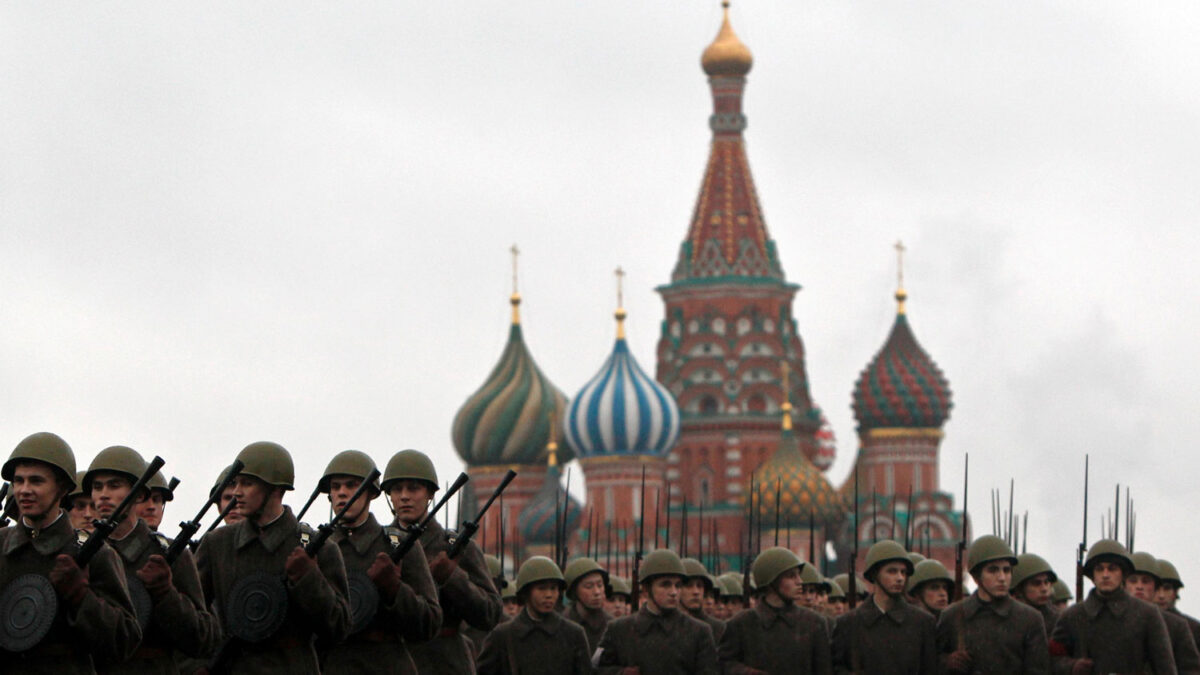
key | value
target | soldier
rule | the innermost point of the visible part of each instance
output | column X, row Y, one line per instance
column 691, row 596
column 152, row 509
column 814, row 591
column 1110, row 632
column 1062, row 597
column 885, row 634
column 509, row 597
column 837, row 604
column 262, row 556
column 617, row 602
column 408, row 609
column 1143, row 584
column 658, row 639
column 537, row 640
column 472, row 633
column 79, row 505
column 94, row 615
column 929, row 587
column 465, row 589
column 587, row 585
column 234, row 516
column 1033, row 584
column 988, row 631
column 734, row 597
column 778, row 635
column 1168, row 594
column 861, row 587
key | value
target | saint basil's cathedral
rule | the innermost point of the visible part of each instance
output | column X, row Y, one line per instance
column 725, row 435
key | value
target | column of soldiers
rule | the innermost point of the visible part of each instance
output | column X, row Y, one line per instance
column 266, row 593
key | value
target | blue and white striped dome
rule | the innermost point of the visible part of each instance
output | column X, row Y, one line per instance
column 622, row 411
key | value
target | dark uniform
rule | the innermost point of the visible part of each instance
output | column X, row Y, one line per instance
column 413, row 615
column 523, row 646
column 101, row 626
column 1002, row 636
column 1183, row 645
column 717, row 625
column 1193, row 624
column 594, row 622
column 866, row 640
column 317, row 604
column 671, row 643
column 1120, row 634
column 467, row 596
column 789, row 639
column 1049, row 617
column 180, row 618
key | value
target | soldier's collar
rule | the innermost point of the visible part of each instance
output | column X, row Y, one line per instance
column 646, row 620
column 767, row 615
column 526, row 623
column 47, row 540
column 362, row 536
column 130, row 547
column 873, row 611
column 271, row 535
column 1116, row 602
column 974, row 604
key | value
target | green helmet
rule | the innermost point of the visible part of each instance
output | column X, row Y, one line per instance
column 220, row 479
column 1144, row 563
column 986, row 549
column 696, row 570
column 493, row 565
column 809, row 576
column 663, row 562
column 1108, row 550
column 732, row 583
column 269, row 462
column 926, row 571
column 411, row 465
column 619, row 586
column 47, row 448
column 1028, row 566
column 508, row 591
column 158, row 483
column 1062, row 591
column 835, row 591
column 915, row 557
column 885, row 551
column 117, row 459
column 771, row 563
column 579, row 568
column 1168, row 573
column 348, row 463
column 77, row 491
column 538, row 568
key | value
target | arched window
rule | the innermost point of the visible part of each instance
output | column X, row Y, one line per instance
column 708, row 405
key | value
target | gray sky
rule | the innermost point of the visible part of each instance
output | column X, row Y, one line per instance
column 226, row 222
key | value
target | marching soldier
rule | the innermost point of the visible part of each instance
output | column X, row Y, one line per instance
column 273, row 598
column 496, row 573
column 509, row 597
column 79, row 505
column 734, row 597
column 929, row 587
column 988, row 631
column 586, row 586
column 234, row 516
column 884, row 634
column 1110, row 632
column 404, row 594
column 658, row 639
column 777, row 636
column 1168, row 595
column 538, row 640
column 1062, row 597
column 1033, row 584
column 691, row 596
column 92, row 613
column 861, row 587
column 465, row 589
column 837, row 604
column 152, row 509
column 617, row 602
column 1143, row 584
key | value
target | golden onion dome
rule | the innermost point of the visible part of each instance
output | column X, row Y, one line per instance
column 727, row 56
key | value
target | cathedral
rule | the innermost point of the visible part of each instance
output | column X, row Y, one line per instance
column 722, row 451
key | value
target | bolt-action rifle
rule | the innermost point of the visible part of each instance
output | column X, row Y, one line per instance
column 636, row 587
column 961, row 548
column 326, row 530
column 1081, row 554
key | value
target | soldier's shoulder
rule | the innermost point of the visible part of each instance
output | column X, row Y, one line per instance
column 572, row 628
column 811, row 616
column 1026, row 613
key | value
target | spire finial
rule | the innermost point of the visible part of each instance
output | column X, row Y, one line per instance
column 552, row 446
column 620, row 313
column 787, row 396
column 901, row 295
column 515, row 299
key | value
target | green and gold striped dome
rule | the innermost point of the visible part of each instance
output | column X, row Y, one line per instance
column 803, row 490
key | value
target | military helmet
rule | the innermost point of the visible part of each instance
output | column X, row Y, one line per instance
column 269, row 462
column 926, row 571
column 771, row 563
column 411, row 465
column 696, row 570
column 915, row 557
column 836, row 592
column 581, row 567
column 1144, row 563
column 732, row 583
column 117, row 459
column 809, row 576
column 1168, row 573
column 1028, row 566
column 885, row 551
column 158, row 483
column 1108, row 550
column 659, row 563
column 220, row 479
column 508, row 591
column 493, row 565
column 1062, row 591
column 47, row 448
column 619, row 586
column 77, row 491
column 538, row 568
column 348, row 463
column 986, row 549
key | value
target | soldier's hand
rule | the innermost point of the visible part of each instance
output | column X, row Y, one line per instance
column 386, row 576
column 441, row 567
column 70, row 581
column 298, row 564
column 1083, row 667
column 958, row 662
column 156, row 576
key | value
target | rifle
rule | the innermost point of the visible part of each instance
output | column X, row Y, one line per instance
column 172, row 485
column 470, row 527
column 3, row 493
column 852, row 582
column 908, row 521
column 778, row 496
column 1081, row 554
column 961, row 548
column 417, row 529
column 104, row 526
column 189, row 528
column 637, row 554
column 326, row 530
column 311, row 498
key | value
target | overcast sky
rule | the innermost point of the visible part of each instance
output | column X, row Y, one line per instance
column 226, row 222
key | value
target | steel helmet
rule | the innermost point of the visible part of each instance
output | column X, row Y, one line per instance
column 1168, row 573
column 885, row 551
column 696, row 570
column 47, row 448
column 348, row 463
column 928, row 570
column 539, row 568
column 1029, row 565
column 269, row 462
column 509, row 590
column 158, row 483
column 117, row 459
column 1108, row 550
column 1144, row 563
column 77, row 491
column 732, row 583
column 411, row 465
column 836, row 592
column 1062, row 591
column 771, row 563
column 915, row 557
column 620, row 586
column 579, row 568
column 986, row 549
column 659, row 563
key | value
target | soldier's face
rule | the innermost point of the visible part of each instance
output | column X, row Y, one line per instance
column 810, row 596
column 664, row 592
column 1037, row 590
column 38, row 493
column 1107, row 576
column 838, row 606
column 691, row 596
column 151, row 510
column 251, row 496
column 935, row 595
column 589, row 591
column 1166, row 596
column 891, row 578
column 543, row 597
column 994, row 578
column 81, row 513
column 1141, row 586
column 409, row 498
column 232, row 516
column 788, row 586
column 341, row 489
column 511, row 608
column 710, row 604
column 108, row 491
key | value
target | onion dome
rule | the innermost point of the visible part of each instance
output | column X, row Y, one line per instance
column 727, row 56
column 537, row 521
column 622, row 411
column 508, row 420
column 826, row 445
column 902, row 387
